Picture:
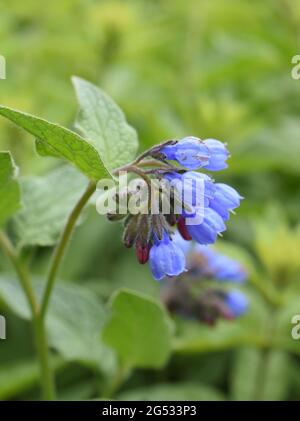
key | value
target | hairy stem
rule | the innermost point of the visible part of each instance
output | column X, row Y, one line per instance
column 61, row 247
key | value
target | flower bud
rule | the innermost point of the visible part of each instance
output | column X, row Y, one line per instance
column 181, row 225
column 131, row 230
column 142, row 252
column 115, row 217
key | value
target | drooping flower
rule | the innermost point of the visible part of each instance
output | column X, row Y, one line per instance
column 219, row 266
column 196, row 204
column 208, row 230
column 218, row 155
column 190, row 297
column 166, row 258
column 224, row 200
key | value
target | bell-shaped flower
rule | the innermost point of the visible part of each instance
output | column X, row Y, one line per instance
column 166, row 258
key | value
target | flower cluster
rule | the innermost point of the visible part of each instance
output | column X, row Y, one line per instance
column 189, row 295
column 175, row 162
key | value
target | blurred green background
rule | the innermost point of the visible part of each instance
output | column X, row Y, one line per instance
column 218, row 69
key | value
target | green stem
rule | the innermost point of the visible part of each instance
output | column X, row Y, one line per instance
column 47, row 381
column 47, row 378
column 61, row 247
column 10, row 252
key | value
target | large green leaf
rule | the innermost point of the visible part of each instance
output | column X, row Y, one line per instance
column 9, row 188
column 47, row 202
column 139, row 330
column 74, row 321
column 62, row 142
column 103, row 123
column 173, row 392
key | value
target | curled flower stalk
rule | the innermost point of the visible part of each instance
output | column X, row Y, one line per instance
column 197, row 207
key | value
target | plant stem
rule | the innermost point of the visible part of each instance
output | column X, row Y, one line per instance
column 61, row 247
column 10, row 252
column 47, row 381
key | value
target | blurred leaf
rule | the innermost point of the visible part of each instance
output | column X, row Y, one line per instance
column 9, row 188
column 47, row 202
column 173, row 392
column 139, row 330
column 260, row 375
column 74, row 321
column 63, row 142
column 283, row 324
column 103, row 123
column 19, row 376
column 245, row 373
column 273, row 235
column 76, row 318
column 276, row 373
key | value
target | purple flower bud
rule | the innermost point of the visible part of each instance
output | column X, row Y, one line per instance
column 218, row 155
column 166, row 258
column 190, row 152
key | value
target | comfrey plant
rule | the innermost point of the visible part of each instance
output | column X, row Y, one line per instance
column 194, row 296
column 196, row 204
column 171, row 196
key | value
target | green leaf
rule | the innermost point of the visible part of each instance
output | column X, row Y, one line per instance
column 19, row 376
column 9, row 188
column 139, row 330
column 245, row 374
column 47, row 202
column 103, row 123
column 74, row 321
column 62, row 142
column 173, row 392
column 260, row 375
column 276, row 376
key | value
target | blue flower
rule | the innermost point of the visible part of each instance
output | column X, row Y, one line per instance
column 224, row 200
column 221, row 267
column 207, row 231
column 166, row 258
column 218, row 155
column 194, row 189
column 186, row 246
column 190, row 152
column 193, row 182
column 237, row 302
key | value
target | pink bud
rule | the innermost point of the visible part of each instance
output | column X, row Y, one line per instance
column 142, row 253
column 182, row 228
